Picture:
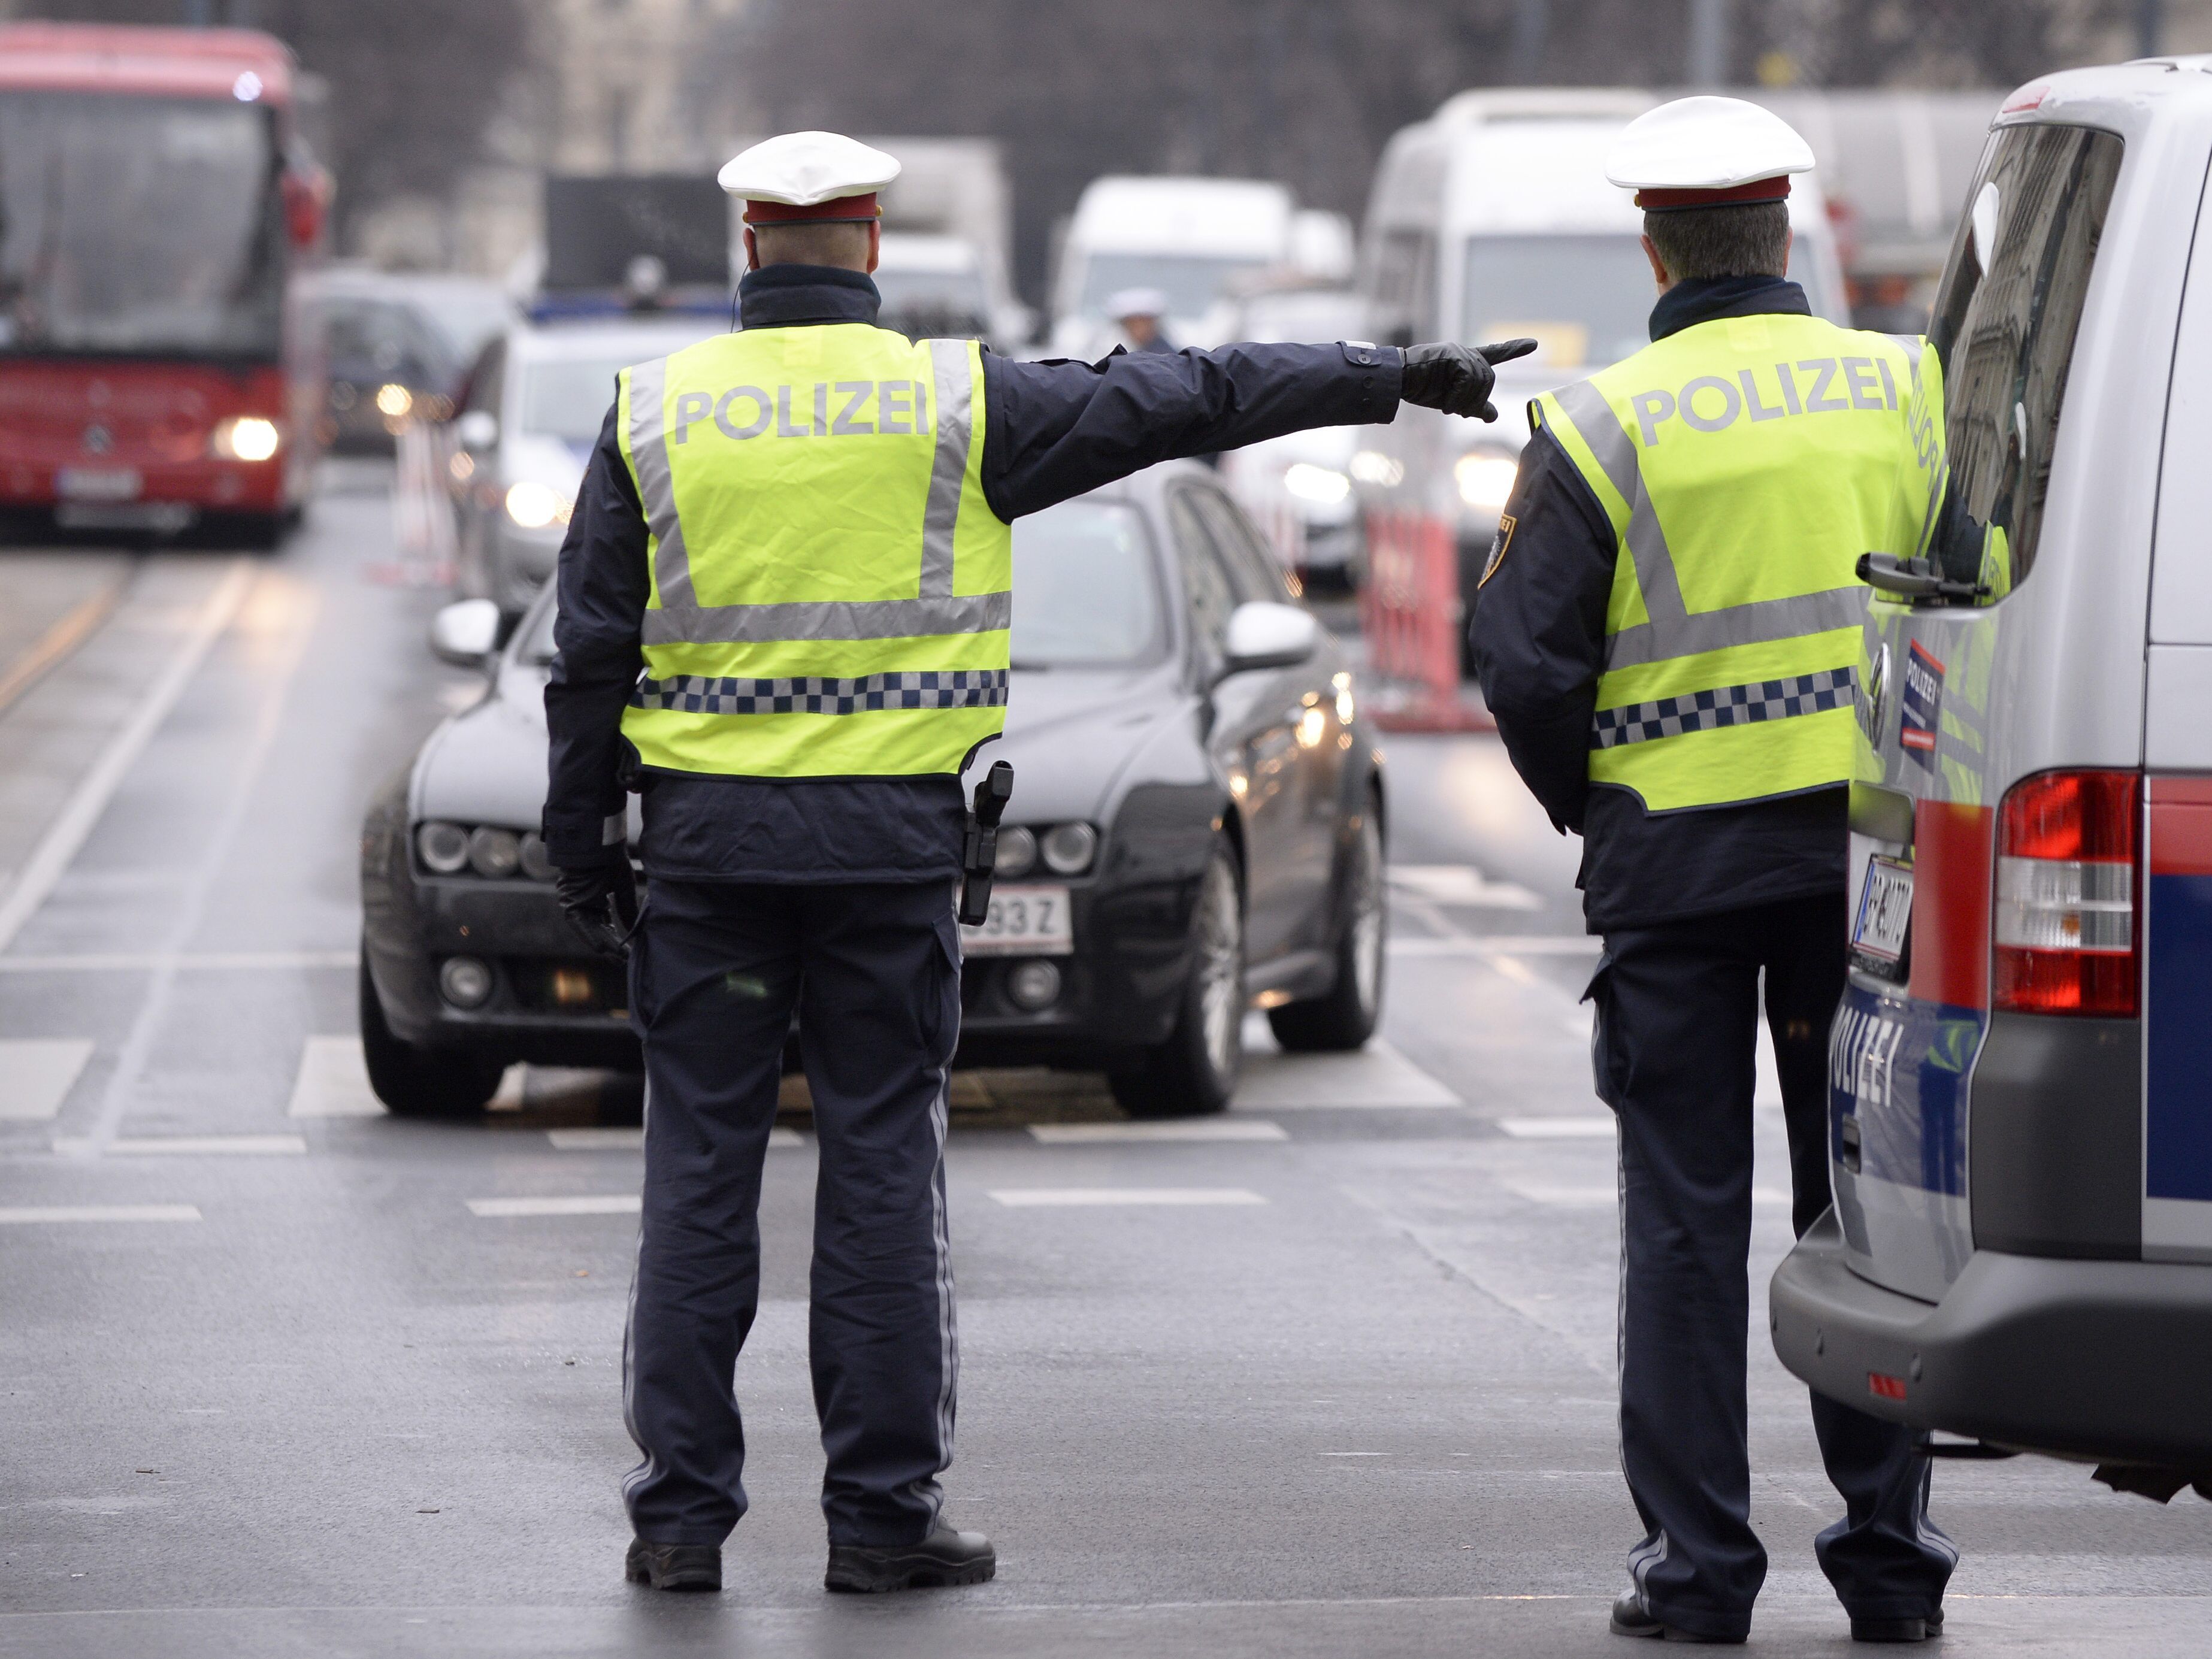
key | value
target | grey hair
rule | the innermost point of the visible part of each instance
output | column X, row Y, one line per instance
column 1748, row 240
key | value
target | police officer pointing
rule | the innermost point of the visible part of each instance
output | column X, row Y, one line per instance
column 783, row 620
column 1668, row 634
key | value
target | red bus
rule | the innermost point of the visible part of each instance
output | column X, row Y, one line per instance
column 157, row 372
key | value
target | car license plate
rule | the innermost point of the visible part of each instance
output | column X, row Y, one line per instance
column 1027, row 921
column 98, row 484
column 1885, row 918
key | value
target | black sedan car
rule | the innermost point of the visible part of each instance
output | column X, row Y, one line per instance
column 1196, row 829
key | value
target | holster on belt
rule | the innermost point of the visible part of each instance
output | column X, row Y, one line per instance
column 980, row 852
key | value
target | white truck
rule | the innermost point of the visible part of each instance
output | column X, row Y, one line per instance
column 1492, row 219
column 1195, row 239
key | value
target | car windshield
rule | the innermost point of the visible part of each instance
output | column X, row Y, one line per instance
column 466, row 315
column 1086, row 590
column 1587, row 298
column 138, row 225
column 568, row 397
column 1192, row 281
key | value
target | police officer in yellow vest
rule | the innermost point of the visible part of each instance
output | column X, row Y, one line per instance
column 784, row 620
column 1668, row 634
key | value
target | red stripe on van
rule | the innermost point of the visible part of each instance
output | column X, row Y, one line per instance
column 2181, row 826
column 1951, row 894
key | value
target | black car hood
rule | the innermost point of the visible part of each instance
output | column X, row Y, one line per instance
column 487, row 763
column 1071, row 734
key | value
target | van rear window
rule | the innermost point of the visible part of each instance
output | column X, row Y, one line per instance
column 2004, row 325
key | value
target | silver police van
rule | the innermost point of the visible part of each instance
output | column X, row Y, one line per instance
column 2021, row 1073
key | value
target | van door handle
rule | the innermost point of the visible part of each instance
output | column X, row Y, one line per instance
column 1914, row 579
column 1849, row 1130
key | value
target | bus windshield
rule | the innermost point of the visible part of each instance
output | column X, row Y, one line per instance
column 138, row 226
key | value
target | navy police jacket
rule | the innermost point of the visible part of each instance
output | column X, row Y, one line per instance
column 1053, row 430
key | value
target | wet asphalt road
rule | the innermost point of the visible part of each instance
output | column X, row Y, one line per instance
column 269, row 1384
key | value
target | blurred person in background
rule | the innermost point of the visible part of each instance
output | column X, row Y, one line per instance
column 1138, row 315
column 1669, row 632
column 784, row 609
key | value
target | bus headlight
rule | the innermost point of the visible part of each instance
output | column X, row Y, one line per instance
column 245, row 438
column 533, row 505
column 1485, row 477
column 393, row 399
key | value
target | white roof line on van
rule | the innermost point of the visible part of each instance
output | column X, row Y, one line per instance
column 1542, row 104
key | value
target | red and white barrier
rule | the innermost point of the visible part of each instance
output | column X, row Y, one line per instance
column 1411, row 615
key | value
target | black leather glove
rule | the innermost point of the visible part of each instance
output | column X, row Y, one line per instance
column 600, row 901
column 1457, row 378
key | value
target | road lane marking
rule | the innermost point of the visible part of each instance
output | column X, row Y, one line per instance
column 1375, row 1078
column 99, row 1212
column 202, row 962
column 581, row 1204
column 37, row 1073
column 1073, row 1198
column 1592, row 1198
column 333, row 1081
column 1558, row 1129
column 192, row 1146
column 1460, row 884
column 1087, row 1135
column 633, row 1140
column 54, row 645
column 66, row 835
column 1495, row 945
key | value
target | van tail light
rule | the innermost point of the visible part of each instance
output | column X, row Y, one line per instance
column 2067, row 931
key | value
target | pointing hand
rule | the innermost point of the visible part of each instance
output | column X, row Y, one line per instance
column 1457, row 378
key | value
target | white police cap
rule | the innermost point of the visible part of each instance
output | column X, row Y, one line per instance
column 1707, row 152
column 1128, row 302
column 808, row 175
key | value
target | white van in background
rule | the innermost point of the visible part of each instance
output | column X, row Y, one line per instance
column 1492, row 219
column 1195, row 239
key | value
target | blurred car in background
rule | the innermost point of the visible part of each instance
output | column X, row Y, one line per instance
column 933, row 289
column 530, row 410
column 1300, row 486
column 1494, row 219
column 1196, row 827
column 396, row 346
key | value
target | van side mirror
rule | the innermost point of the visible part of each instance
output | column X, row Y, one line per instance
column 465, row 632
column 1264, row 634
column 476, row 431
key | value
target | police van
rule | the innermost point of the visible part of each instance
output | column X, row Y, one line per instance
column 2020, row 1072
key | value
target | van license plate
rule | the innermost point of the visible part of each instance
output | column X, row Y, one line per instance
column 1884, row 921
column 1025, row 922
column 98, row 484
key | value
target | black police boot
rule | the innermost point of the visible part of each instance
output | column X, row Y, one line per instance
column 674, row 1566
column 1897, row 1630
column 944, row 1557
column 1629, row 1618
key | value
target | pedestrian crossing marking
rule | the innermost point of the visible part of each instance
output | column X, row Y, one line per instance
column 576, row 1204
column 1461, row 884
column 1594, row 1197
column 333, row 1081
column 37, row 1073
column 33, row 1213
column 192, row 1146
column 1493, row 944
column 1375, row 1078
column 633, row 1140
column 1086, row 1134
column 1070, row 1198
column 1558, row 1129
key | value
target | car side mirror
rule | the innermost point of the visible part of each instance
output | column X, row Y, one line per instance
column 477, row 430
column 1264, row 634
column 465, row 632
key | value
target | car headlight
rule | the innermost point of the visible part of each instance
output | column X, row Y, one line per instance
column 245, row 438
column 393, row 399
column 1324, row 486
column 1372, row 466
column 533, row 505
column 1017, row 851
column 444, row 847
column 536, row 864
column 494, row 853
column 1485, row 478
column 1068, row 848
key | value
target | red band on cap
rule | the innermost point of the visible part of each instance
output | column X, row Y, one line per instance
column 842, row 208
column 1759, row 190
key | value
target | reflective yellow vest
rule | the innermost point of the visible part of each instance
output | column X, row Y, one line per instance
column 1745, row 465
column 830, row 591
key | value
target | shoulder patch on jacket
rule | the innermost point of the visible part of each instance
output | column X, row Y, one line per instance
column 1498, row 544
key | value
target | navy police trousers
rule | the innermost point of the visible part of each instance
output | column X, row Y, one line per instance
column 717, row 970
column 1677, row 1020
